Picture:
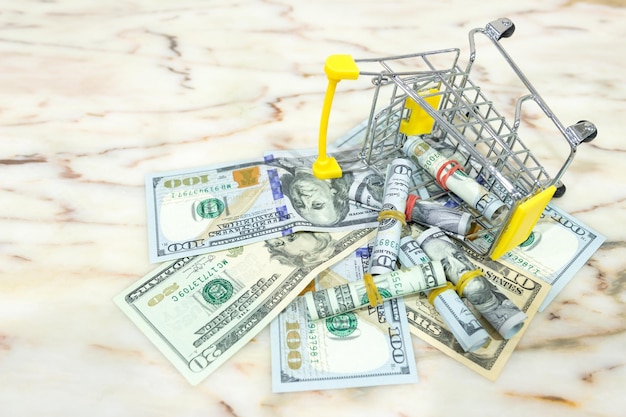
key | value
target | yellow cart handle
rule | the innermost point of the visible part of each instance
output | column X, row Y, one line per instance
column 337, row 68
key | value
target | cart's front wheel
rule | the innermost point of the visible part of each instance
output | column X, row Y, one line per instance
column 500, row 28
column 560, row 190
column 589, row 130
column 509, row 32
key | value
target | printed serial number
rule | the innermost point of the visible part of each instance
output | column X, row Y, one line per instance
column 524, row 264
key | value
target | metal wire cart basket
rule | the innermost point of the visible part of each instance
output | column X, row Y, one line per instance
column 429, row 95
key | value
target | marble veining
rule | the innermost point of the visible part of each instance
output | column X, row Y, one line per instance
column 97, row 94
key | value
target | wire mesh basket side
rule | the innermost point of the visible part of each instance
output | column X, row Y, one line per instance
column 471, row 114
column 383, row 139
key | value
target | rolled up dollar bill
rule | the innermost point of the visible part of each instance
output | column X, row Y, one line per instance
column 367, row 189
column 339, row 299
column 451, row 176
column 391, row 217
column 448, row 150
column 432, row 213
column 470, row 283
column 466, row 329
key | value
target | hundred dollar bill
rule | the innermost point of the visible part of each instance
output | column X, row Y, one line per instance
column 493, row 305
column 336, row 300
column 525, row 292
column 365, row 186
column 204, row 210
column 200, row 310
column 557, row 248
column 385, row 252
column 362, row 348
column 466, row 329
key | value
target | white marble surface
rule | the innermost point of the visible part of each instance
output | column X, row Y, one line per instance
column 94, row 95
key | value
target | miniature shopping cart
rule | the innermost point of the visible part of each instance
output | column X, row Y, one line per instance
column 429, row 94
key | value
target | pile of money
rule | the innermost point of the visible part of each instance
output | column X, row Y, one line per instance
column 343, row 271
column 465, row 327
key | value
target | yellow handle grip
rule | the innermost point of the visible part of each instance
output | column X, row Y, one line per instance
column 337, row 68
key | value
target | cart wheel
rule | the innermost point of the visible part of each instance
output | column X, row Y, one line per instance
column 500, row 28
column 589, row 127
column 509, row 32
column 560, row 190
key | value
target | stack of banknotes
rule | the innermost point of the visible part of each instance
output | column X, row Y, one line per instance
column 340, row 278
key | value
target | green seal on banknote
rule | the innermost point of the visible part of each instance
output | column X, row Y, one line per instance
column 217, row 291
column 530, row 241
column 209, row 208
column 342, row 325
